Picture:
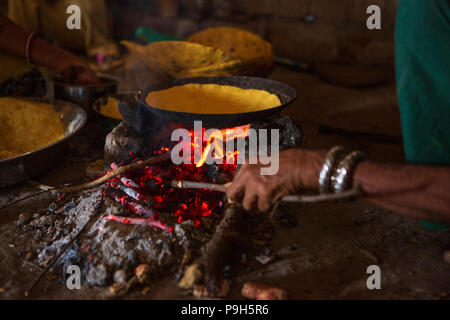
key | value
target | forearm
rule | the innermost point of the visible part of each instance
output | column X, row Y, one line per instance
column 413, row 190
column 13, row 40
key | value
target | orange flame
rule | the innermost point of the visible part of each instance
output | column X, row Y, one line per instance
column 225, row 135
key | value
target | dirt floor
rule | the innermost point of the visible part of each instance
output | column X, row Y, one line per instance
column 325, row 249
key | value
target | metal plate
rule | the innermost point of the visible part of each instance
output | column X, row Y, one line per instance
column 285, row 93
column 27, row 165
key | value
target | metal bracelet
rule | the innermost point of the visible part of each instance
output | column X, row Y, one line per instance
column 342, row 178
column 331, row 160
column 28, row 45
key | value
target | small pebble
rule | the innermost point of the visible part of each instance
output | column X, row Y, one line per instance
column 447, row 256
column 69, row 206
column 52, row 207
column 24, row 218
column 263, row 259
column 45, row 221
column 97, row 275
column 120, row 277
column 141, row 272
column 51, row 230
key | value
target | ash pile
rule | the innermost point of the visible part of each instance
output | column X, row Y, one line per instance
column 108, row 252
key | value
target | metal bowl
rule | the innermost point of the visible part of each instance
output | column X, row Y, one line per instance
column 27, row 165
column 85, row 95
column 107, row 123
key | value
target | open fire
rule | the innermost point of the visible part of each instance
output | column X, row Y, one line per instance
column 147, row 192
column 105, row 230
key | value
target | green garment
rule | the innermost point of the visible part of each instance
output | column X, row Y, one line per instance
column 422, row 43
column 149, row 35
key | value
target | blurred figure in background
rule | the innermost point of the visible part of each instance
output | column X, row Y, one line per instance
column 49, row 17
column 21, row 51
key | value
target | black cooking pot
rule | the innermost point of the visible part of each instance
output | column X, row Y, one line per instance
column 140, row 115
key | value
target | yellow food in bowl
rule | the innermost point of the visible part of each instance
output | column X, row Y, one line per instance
column 111, row 109
column 212, row 99
column 26, row 126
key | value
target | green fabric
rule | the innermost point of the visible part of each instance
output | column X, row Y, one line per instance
column 149, row 35
column 422, row 43
column 422, row 40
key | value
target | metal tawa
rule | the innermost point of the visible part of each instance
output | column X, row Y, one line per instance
column 285, row 93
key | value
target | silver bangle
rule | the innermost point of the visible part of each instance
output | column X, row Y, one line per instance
column 331, row 160
column 342, row 178
column 28, row 46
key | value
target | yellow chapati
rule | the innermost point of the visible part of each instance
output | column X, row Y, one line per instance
column 212, row 99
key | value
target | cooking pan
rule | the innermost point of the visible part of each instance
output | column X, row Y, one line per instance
column 285, row 93
column 27, row 165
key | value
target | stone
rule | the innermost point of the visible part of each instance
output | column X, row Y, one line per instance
column 45, row 221
column 120, row 277
column 23, row 219
column 447, row 256
column 119, row 143
column 141, row 272
column 97, row 275
column 165, row 257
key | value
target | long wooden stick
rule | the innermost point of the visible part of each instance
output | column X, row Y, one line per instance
column 92, row 184
column 356, row 191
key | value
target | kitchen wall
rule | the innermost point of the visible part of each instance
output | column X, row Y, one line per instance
column 324, row 29
column 308, row 30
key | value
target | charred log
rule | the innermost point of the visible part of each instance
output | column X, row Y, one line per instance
column 207, row 270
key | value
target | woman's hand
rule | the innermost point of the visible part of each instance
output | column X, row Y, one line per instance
column 16, row 41
column 72, row 69
column 298, row 169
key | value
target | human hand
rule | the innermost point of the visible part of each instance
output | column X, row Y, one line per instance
column 73, row 70
column 298, row 169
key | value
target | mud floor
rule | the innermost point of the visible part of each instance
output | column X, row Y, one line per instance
column 314, row 251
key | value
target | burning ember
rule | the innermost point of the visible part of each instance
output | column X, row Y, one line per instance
column 147, row 192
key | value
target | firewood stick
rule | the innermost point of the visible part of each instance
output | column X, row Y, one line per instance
column 207, row 269
column 88, row 185
column 185, row 184
column 356, row 191
column 119, row 171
